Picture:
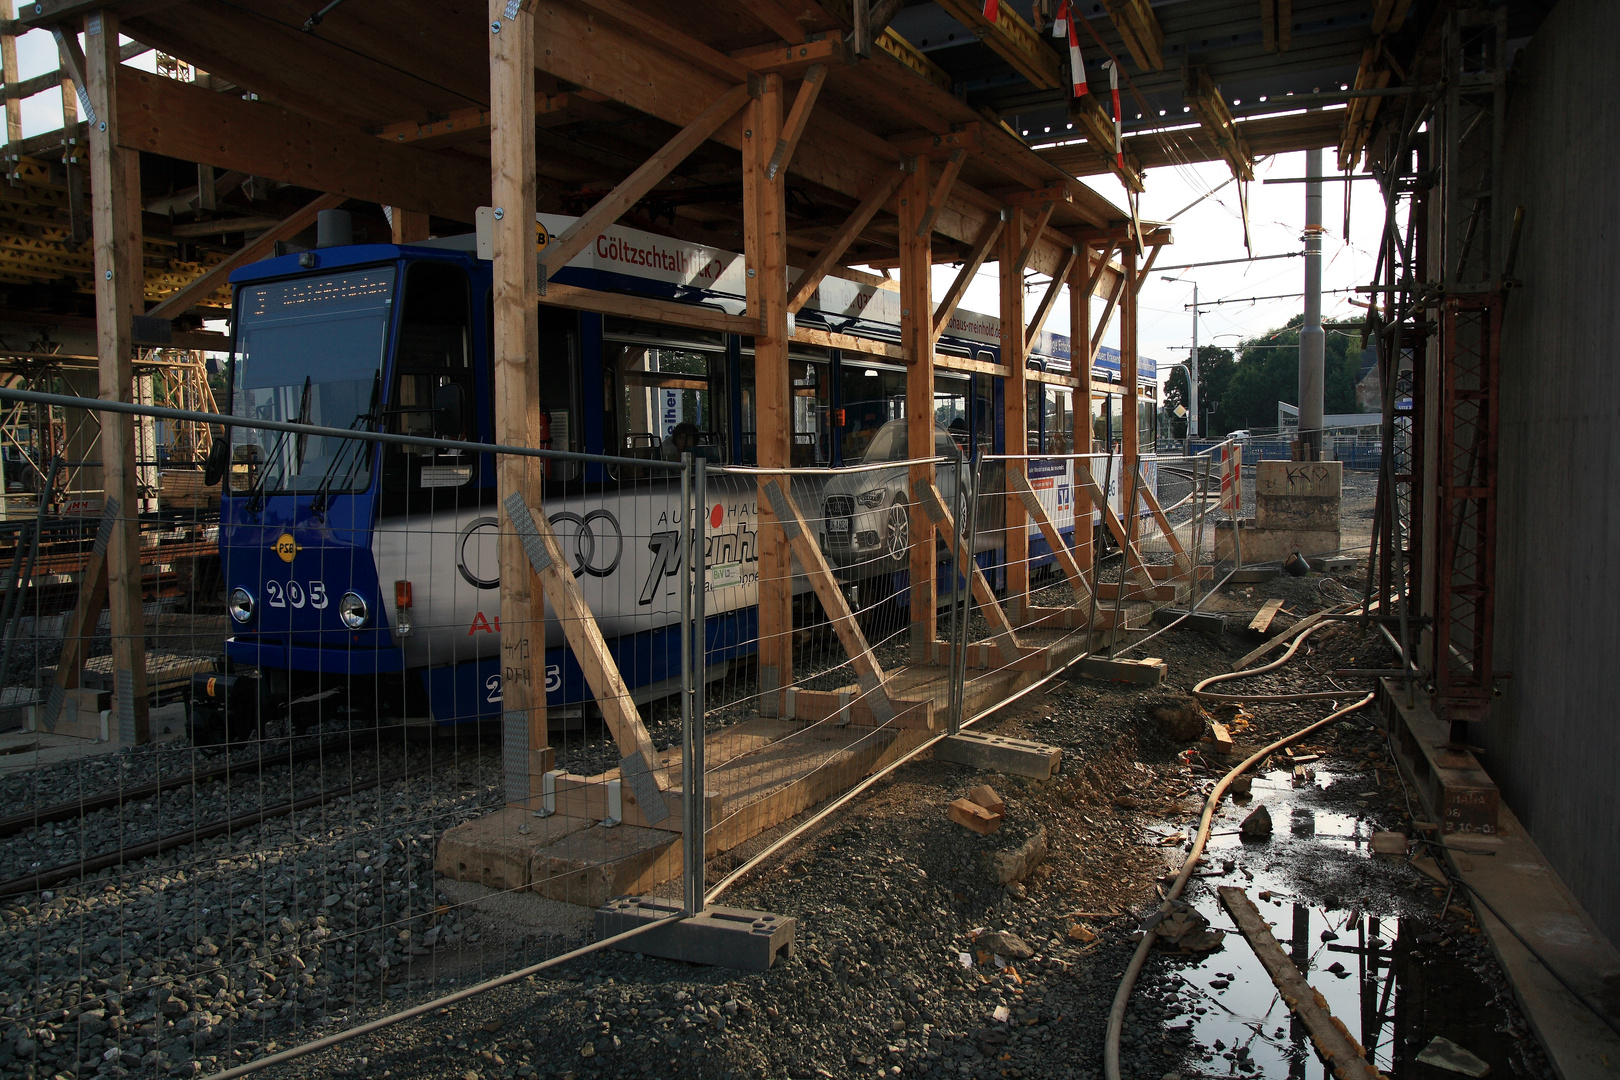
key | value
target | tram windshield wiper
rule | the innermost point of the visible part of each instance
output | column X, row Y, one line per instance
column 353, row 449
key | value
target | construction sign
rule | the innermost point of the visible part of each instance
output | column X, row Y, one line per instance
column 1232, row 477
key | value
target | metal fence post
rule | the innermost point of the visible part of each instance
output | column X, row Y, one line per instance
column 694, row 647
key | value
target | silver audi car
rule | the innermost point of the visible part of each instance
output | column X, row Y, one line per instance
column 866, row 526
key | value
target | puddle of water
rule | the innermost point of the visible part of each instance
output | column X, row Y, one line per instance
column 1354, row 926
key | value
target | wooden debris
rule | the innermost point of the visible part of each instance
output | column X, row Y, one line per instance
column 986, row 796
column 970, row 814
column 1222, row 736
column 1261, row 623
column 1344, row 1056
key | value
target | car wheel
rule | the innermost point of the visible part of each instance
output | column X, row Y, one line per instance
column 897, row 532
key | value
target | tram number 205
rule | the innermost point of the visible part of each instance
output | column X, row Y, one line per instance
column 313, row 594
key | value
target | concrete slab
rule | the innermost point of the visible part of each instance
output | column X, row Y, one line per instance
column 1000, row 753
column 719, row 936
column 1464, row 798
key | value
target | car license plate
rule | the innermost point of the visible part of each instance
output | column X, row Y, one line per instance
column 838, row 525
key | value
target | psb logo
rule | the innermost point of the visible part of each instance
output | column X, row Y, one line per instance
column 286, row 547
column 541, row 237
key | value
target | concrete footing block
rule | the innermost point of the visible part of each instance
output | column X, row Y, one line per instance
column 999, row 753
column 720, row 936
column 1149, row 671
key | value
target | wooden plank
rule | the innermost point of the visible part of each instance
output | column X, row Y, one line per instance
column 1013, row 39
column 938, row 519
column 515, row 322
column 833, row 602
column 115, row 188
column 1049, row 300
column 964, row 277
column 1261, row 622
column 1060, row 549
column 1344, row 1056
column 1081, row 278
column 1134, row 565
column 851, row 344
column 917, row 338
column 166, row 117
column 8, row 71
column 667, row 38
column 850, row 705
column 216, row 277
column 1139, row 28
column 591, row 652
column 1043, row 217
column 587, row 797
column 765, row 252
column 827, row 258
column 1281, row 639
column 81, row 626
column 561, row 251
column 408, row 226
column 797, row 118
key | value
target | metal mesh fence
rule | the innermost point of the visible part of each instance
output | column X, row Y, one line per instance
column 323, row 819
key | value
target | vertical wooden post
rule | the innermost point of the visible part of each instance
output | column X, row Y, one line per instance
column 8, row 72
column 516, row 347
column 765, row 255
column 1130, row 435
column 116, row 232
column 410, row 226
column 1080, row 368
column 917, row 339
column 1014, row 354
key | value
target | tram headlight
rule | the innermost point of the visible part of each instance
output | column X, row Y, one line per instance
column 241, row 605
column 871, row 499
column 353, row 611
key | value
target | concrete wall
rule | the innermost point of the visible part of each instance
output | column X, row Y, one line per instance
column 1554, row 743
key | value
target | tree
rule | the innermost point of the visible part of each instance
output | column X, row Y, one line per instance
column 1267, row 371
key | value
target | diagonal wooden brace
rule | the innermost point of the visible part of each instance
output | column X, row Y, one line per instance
column 874, row 692
column 1060, row 550
column 933, row 504
column 1134, row 566
column 1184, row 561
column 639, row 758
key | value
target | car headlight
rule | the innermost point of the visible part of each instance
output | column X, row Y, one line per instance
column 353, row 611
column 241, row 604
column 871, row 499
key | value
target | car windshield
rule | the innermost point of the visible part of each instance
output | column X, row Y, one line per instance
column 889, row 444
column 308, row 350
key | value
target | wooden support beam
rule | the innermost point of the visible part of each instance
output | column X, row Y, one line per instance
column 1139, row 28
column 1204, row 98
column 658, row 35
column 926, row 494
column 1043, row 217
column 174, row 119
column 585, row 640
column 697, row 316
column 942, row 190
column 1015, row 421
column 515, row 322
column 1013, row 39
column 1346, row 1059
column 8, row 71
column 1268, row 25
column 408, row 226
column 215, row 278
column 964, row 277
column 587, row 797
column 115, row 187
column 765, row 255
column 827, row 258
column 1060, row 548
column 789, row 60
column 797, row 118
column 1080, row 278
column 561, row 251
column 1093, row 119
column 1134, row 565
column 1261, row 623
column 1049, row 300
column 917, row 338
column 1285, row 24
column 1130, row 436
column 797, row 536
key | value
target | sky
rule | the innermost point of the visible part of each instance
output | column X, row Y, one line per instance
column 1212, row 230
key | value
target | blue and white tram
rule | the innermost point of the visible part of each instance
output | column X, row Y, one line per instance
column 372, row 570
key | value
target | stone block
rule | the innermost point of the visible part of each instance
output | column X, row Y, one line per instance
column 1313, row 479
column 496, row 850
column 1149, row 671
column 999, row 753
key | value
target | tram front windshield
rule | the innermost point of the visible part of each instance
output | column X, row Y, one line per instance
column 309, row 350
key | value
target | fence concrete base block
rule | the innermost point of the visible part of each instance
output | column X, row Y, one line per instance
column 720, row 936
column 998, row 753
column 1149, row 671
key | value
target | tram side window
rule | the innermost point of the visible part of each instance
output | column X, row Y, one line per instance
column 984, row 414
column 1059, row 420
column 872, row 397
column 1032, row 417
column 670, row 398
column 951, row 408
column 1147, row 428
column 559, row 361
column 432, row 393
column 1101, row 432
column 812, row 422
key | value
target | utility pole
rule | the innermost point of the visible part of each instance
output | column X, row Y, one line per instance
column 1192, row 382
column 1312, row 342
